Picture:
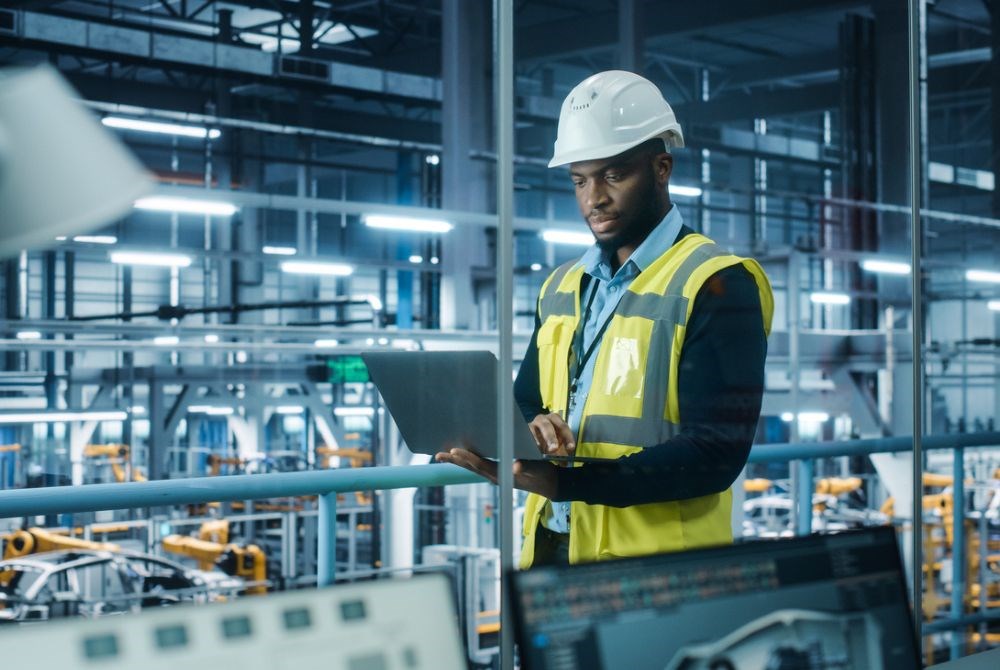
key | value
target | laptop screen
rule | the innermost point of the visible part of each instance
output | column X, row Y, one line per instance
column 824, row 601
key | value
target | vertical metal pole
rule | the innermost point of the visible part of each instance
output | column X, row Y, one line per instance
column 958, row 562
column 503, row 54
column 326, row 545
column 804, row 484
column 914, row 8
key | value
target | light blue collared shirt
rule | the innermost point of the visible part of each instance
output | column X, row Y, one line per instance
column 603, row 293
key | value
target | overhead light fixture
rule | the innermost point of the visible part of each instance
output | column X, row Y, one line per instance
column 983, row 276
column 806, row 417
column 289, row 409
column 685, row 191
column 186, row 206
column 29, row 335
column 150, row 258
column 96, row 239
column 535, row 267
column 374, row 301
column 137, row 409
column 166, row 340
column 317, row 268
column 885, row 267
column 60, row 417
column 406, row 224
column 326, row 344
column 211, row 338
column 197, row 132
column 416, row 258
column 827, row 298
column 568, row 237
column 210, row 410
column 279, row 251
column 353, row 411
column 993, row 305
column 432, row 159
column 435, row 260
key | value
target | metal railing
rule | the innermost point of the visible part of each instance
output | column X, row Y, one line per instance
column 328, row 483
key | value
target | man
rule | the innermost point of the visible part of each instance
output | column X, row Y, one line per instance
column 647, row 351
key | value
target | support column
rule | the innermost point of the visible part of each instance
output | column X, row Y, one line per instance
column 467, row 124
column 630, row 36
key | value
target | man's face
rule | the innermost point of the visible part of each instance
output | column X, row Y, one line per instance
column 621, row 197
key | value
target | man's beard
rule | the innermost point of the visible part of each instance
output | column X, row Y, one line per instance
column 635, row 231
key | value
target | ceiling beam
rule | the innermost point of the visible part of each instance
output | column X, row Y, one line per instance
column 589, row 32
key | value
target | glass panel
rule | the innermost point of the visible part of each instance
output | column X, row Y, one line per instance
column 960, row 160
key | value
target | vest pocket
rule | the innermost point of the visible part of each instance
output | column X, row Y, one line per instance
column 640, row 529
column 553, row 342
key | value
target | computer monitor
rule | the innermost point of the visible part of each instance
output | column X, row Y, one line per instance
column 393, row 624
column 810, row 603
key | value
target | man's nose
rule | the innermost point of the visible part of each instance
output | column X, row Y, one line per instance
column 596, row 196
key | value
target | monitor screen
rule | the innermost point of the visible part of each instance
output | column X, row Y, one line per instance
column 811, row 603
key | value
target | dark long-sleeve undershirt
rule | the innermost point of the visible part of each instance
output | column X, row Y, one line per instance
column 720, row 386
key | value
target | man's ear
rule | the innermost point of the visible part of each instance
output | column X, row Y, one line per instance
column 663, row 167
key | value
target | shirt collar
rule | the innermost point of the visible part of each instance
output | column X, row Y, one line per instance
column 596, row 261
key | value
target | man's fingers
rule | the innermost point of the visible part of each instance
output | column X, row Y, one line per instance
column 470, row 461
column 544, row 434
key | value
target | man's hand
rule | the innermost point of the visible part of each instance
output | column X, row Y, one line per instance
column 553, row 436
column 532, row 476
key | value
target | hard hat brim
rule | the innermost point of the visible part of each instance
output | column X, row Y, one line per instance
column 672, row 139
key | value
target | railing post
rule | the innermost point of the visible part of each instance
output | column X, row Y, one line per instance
column 804, row 496
column 326, row 546
column 958, row 558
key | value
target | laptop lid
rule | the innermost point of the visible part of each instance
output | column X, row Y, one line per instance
column 824, row 601
column 442, row 399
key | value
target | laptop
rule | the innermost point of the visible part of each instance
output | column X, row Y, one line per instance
column 445, row 399
column 823, row 601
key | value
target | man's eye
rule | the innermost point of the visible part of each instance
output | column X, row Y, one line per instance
column 612, row 177
column 577, row 183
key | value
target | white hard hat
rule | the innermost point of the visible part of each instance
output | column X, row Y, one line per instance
column 611, row 112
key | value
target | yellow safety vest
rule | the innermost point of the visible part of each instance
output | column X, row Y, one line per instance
column 632, row 402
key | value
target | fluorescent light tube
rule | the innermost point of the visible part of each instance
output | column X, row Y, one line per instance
column 160, row 128
column 886, row 267
column 808, row 417
column 568, row 237
column 317, row 268
column 289, row 409
column 150, row 258
column 685, row 191
column 59, row 417
column 983, row 276
column 96, row 239
column 279, row 251
column 186, row 206
column 166, row 340
column 416, row 258
column 211, row 338
column 326, row 344
column 407, row 224
column 211, row 410
column 825, row 298
column 994, row 305
column 29, row 335
column 353, row 411
column 535, row 267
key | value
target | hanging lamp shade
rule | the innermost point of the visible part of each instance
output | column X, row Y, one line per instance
column 61, row 171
